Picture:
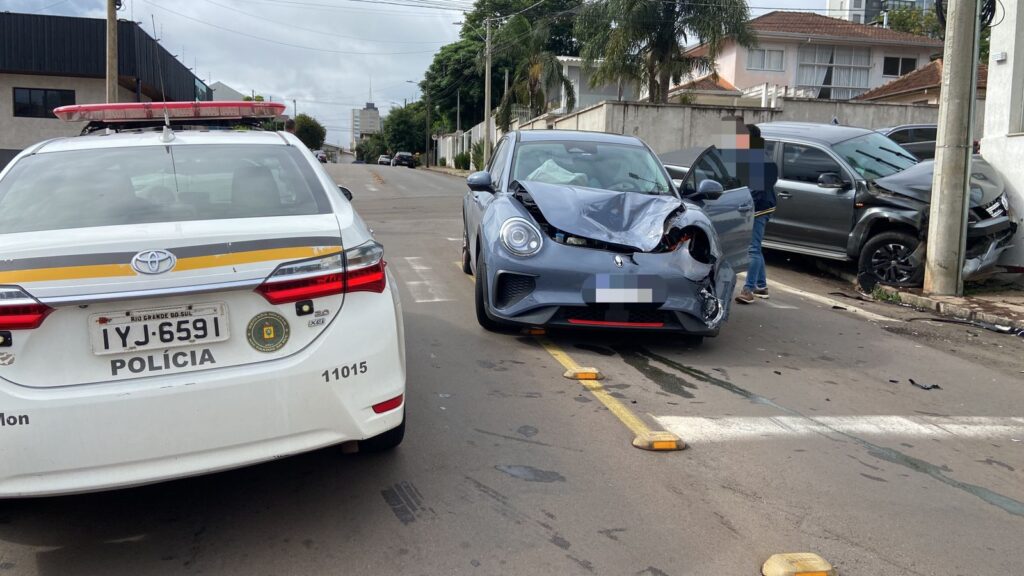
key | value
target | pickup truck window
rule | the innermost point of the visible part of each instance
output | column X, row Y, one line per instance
column 802, row 163
column 874, row 156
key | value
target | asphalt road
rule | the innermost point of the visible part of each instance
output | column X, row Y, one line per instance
column 804, row 434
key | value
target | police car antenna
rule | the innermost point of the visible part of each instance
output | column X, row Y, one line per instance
column 160, row 73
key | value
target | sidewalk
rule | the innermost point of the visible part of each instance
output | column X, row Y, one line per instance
column 448, row 171
column 1002, row 307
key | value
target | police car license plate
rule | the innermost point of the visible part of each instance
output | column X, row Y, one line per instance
column 158, row 328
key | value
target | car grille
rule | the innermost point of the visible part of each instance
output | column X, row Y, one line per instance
column 617, row 315
column 512, row 288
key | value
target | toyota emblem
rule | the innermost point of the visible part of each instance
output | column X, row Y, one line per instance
column 153, row 262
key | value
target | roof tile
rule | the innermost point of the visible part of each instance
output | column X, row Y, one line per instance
column 817, row 25
column 929, row 76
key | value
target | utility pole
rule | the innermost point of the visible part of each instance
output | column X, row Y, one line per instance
column 295, row 108
column 426, row 93
column 506, row 84
column 487, row 100
column 112, row 50
column 947, row 227
column 458, row 111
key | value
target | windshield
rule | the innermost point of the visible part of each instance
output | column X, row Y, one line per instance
column 874, row 156
column 618, row 167
column 146, row 184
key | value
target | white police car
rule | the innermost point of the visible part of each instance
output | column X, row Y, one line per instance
column 185, row 299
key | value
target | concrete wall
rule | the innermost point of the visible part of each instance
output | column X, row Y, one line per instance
column 1003, row 141
column 19, row 133
column 867, row 114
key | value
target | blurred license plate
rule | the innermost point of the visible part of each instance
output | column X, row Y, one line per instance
column 152, row 328
column 624, row 289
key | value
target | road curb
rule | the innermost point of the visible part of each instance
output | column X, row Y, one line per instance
column 951, row 309
column 446, row 171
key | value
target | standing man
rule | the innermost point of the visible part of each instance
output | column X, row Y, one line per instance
column 763, row 174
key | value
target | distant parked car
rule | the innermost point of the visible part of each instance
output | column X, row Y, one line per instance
column 321, row 156
column 384, row 160
column 918, row 139
column 853, row 194
column 404, row 159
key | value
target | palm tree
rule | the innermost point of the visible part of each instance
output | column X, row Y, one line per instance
column 535, row 69
column 644, row 41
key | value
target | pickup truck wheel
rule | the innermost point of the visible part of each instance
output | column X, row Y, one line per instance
column 480, row 293
column 892, row 259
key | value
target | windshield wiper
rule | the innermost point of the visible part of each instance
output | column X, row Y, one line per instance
column 877, row 159
column 901, row 155
column 657, row 186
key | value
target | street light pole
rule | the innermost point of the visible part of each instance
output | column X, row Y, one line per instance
column 112, row 50
column 487, row 100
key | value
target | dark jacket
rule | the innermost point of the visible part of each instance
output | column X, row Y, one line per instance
column 759, row 174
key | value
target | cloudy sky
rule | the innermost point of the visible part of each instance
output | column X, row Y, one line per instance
column 323, row 54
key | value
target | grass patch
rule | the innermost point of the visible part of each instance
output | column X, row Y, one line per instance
column 882, row 295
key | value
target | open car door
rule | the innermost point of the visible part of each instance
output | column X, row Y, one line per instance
column 713, row 183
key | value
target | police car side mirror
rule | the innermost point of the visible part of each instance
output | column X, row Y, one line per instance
column 345, row 192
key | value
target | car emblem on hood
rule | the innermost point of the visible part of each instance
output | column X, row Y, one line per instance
column 153, row 262
column 618, row 261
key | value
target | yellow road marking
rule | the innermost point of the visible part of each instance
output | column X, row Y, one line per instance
column 644, row 437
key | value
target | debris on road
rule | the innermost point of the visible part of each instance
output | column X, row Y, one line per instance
column 925, row 386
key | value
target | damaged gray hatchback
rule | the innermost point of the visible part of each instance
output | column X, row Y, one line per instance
column 583, row 229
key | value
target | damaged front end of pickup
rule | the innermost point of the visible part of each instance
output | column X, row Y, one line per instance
column 611, row 259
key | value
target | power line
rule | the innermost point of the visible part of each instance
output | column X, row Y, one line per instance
column 331, row 34
column 256, row 37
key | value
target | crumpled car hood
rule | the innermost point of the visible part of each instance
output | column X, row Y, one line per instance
column 625, row 218
column 916, row 182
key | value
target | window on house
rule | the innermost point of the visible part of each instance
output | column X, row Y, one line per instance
column 858, row 4
column 857, row 19
column 834, row 72
column 896, row 66
column 764, row 59
column 40, row 102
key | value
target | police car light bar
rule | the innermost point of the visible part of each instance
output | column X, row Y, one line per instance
column 150, row 111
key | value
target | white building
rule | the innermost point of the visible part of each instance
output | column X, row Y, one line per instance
column 1003, row 143
column 365, row 121
column 868, row 11
column 222, row 91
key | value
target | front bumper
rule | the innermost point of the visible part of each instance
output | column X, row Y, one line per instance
column 560, row 275
column 986, row 242
column 104, row 436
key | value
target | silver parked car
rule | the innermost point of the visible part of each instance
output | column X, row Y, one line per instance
column 587, row 230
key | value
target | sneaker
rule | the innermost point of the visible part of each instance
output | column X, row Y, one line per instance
column 761, row 293
column 745, row 297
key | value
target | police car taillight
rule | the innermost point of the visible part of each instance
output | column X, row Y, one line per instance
column 359, row 269
column 19, row 310
column 149, row 111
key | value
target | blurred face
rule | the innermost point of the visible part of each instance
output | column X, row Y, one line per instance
column 732, row 135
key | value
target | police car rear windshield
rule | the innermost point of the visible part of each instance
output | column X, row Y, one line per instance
column 147, row 184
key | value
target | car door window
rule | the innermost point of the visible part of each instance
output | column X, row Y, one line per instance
column 498, row 162
column 715, row 166
column 924, row 135
column 900, row 136
column 801, row 163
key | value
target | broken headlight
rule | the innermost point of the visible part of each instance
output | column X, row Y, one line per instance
column 520, row 237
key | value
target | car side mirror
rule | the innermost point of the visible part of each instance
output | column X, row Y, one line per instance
column 480, row 182
column 345, row 192
column 709, row 189
column 832, row 181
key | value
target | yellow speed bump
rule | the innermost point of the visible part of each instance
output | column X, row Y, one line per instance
column 797, row 564
column 645, row 438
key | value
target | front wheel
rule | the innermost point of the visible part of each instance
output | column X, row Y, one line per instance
column 891, row 259
column 467, row 266
column 480, row 293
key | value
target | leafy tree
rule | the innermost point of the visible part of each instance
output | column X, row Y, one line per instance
column 536, row 68
column 405, row 128
column 258, row 98
column 644, row 42
column 371, row 147
column 455, row 80
column 926, row 23
column 311, row 132
column 558, row 16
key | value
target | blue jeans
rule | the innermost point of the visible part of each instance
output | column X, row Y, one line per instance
column 755, row 271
